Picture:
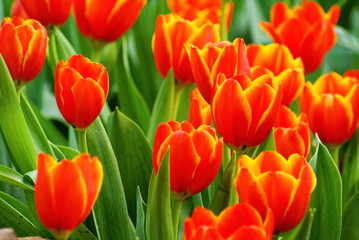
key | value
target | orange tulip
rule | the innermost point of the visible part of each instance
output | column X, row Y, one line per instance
column 277, row 61
column 66, row 191
column 331, row 105
column 306, row 30
column 48, row 12
column 81, row 88
column 23, row 46
column 244, row 111
column 240, row 221
column 171, row 33
column 199, row 110
column 17, row 10
column 353, row 73
column 195, row 156
column 271, row 181
column 214, row 58
column 291, row 133
column 106, row 20
column 207, row 9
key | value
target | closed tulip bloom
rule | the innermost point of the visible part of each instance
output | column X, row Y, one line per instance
column 306, row 30
column 17, row 10
column 244, row 110
column 106, row 20
column 276, row 60
column 168, row 43
column 353, row 73
column 291, row 133
column 81, row 89
column 271, row 181
column 214, row 58
column 207, row 9
column 195, row 156
column 240, row 221
column 331, row 104
column 48, row 12
column 23, row 46
column 199, row 110
column 66, row 191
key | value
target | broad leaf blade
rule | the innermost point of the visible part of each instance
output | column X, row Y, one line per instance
column 12, row 177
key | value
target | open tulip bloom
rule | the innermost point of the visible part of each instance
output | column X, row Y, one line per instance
column 179, row 119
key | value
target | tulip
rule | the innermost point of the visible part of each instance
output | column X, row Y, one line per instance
column 195, row 156
column 306, row 30
column 291, row 133
column 214, row 58
column 353, row 73
column 81, row 88
column 331, row 105
column 66, row 191
column 240, row 221
column 106, row 20
column 199, row 110
column 49, row 12
column 208, row 9
column 168, row 43
column 277, row 61
column 17, row 10
column 271, row 181
column 23, row 46
column 244, row 111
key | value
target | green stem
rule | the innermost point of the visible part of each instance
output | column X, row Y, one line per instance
column 81, row 134
column 95, row 56
column 176, row 210
column 177, row 97
column 334, row 151
column 223, row 24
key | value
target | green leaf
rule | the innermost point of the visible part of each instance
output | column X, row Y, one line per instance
column 140, row 217
column 159, row 204
column 350, row 218
column 37, row 133
column 267, row 145
column 162, row 109
column 83, row 233
column 111, row 202
column 131, row 102
column 13, row 124
column 12, row 177
column 69, row 153
column 326, row 197
column 14, row 214
column 134, row 154
column 303, row 229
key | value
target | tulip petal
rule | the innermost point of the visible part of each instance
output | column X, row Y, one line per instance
column 249, row 232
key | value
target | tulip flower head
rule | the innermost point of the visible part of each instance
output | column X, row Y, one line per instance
column 106, row 20
column 214, row 58
column 206, row 9
column 291, row 133
column 66, row 191
column 277, row 61
column 23, row 46
column 168, row 43
column 199, row 110
column 331, row 104
column 50, row 12
column 240, row 221
column 353, row 73
column 195, row 156
column 306, row 30
column 271, row 181
column 81, row 89
column 244, row 110
column 17, row 10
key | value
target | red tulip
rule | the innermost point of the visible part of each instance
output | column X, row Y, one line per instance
column 81, row 88
column 277, row 61
column 168, row 43
column 353, row 73
column 331, row 105
column 106, row 20
column 271, row 181
column 17, row 10
column 291, row 133
column 23, row 46
column 306, row 30
column 48, row 12
column 66, row 191
column 240, row 221
column 195, row 156
column 199, row 110
column 244, row 111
